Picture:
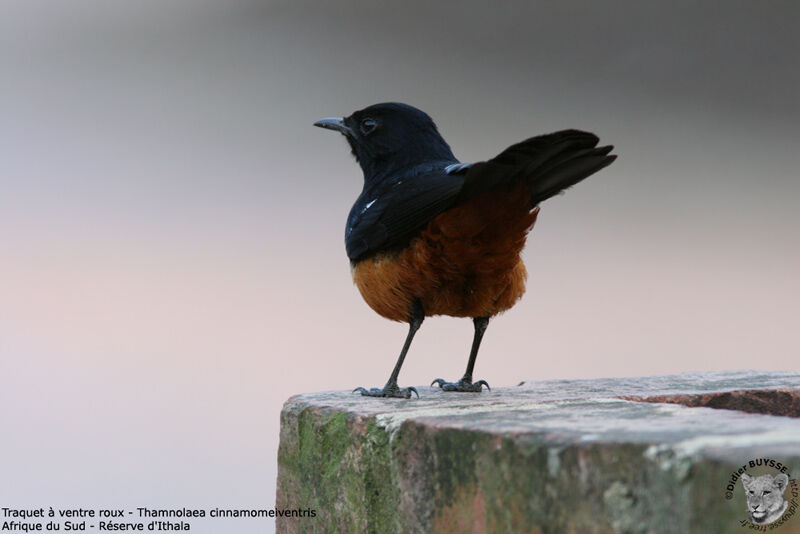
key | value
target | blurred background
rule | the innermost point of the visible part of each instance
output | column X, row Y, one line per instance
column 172, row 265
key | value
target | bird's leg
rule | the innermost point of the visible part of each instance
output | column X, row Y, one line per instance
column 466, row 384
column 391, row 389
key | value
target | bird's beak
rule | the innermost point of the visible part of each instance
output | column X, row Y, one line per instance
column 334, row 123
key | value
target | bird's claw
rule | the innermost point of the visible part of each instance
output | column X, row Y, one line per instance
column 388, row 391
column 464, row 385
column 480, row 383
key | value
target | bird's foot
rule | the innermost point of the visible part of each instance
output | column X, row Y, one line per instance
column 389, row 390
column 463, row 385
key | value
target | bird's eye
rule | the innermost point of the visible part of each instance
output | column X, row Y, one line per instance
column 367, row 125
column 766, row 492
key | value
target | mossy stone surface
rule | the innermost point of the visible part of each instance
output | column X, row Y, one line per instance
column 547, row 457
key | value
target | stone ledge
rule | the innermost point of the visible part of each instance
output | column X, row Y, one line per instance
column 782, row 401
column 558, row 456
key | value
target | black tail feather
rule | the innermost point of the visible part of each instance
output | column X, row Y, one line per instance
column 547, row 163
column 556, row 177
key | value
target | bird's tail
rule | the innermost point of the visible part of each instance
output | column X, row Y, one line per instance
column 548, row 164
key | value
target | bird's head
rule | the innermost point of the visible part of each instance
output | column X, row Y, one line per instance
column 386, row 138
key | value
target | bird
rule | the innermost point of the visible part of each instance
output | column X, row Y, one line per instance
column 430, row 235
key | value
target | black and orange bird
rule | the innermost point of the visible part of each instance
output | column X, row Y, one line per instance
column 429, row 235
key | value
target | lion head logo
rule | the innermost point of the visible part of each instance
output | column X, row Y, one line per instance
column 765, row 502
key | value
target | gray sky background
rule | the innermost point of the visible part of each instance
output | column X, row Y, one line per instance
column 172, row 264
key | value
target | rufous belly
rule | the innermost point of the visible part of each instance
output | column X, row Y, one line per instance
column 465, row 263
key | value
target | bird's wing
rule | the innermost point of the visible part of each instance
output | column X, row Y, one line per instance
column 398, row 211
column 547, row 163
